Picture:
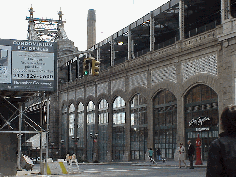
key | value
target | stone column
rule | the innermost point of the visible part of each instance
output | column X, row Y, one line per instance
column 129, row 43
column 152, row 38
column 112, row 51
column 85, row 125
column 127, row 156
column 127, row 123
column 181, row 19
column 109, row 132
column 76, row 127
column 98, row 52
column 95, row 155
column 69, row 73
column 110, row 122
column 180, row 107
column 225, row 10
column 150, row 140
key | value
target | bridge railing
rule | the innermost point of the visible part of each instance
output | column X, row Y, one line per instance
column 202, row 29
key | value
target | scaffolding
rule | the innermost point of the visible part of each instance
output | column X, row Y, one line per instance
column 44, row 29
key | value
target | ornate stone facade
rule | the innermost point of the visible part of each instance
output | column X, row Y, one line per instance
column 203, row 62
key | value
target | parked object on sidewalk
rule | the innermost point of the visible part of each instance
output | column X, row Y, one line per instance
column 59, row 167
column 222, row 153
column 26, row 163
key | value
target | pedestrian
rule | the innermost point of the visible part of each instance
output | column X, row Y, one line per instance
column 181, row 157
column 191, row 151
column 150, row 154
column 158, row 151
column 222, row 152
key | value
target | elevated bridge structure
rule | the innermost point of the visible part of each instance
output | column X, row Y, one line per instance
column 164, row 79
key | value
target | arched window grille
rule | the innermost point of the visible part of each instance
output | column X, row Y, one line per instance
column 80, row 130
column 118, row 130
column 90, row 129
column 138, row 132
column 102, row 129
column 165, row 122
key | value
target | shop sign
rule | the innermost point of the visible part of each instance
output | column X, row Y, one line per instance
column 198, row 121
column 202, row 129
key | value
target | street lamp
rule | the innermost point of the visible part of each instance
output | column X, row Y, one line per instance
column 62, row 148
column 94, row 137
column 52, row 146
column 75, row 140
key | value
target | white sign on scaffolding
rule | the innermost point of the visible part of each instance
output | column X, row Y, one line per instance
column 28, row 65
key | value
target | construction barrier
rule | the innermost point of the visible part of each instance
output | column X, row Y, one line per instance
column 57, row 168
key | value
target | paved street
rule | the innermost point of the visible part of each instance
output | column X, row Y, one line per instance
column 170, row 168
column 147, row 171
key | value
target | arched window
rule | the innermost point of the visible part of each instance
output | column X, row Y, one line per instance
column 201, row 116
column 102, row 129
column 165, row 122
column 80, row 130
column 118, row 135
column 90, row 129
column 90, row 113
column 138, row 132
column 71, row 127
column 118, row 111
column 233, row 8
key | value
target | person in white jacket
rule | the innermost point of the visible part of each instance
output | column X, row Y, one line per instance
column 181, row 151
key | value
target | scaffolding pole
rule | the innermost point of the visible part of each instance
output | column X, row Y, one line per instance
column 19, row 137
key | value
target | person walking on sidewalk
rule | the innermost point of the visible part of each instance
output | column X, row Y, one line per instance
column 158, row 154
column 222, row 153
column 191, row 151
column 181, row 151
column 150, row 154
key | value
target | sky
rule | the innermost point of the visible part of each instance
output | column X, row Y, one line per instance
column 111, row 16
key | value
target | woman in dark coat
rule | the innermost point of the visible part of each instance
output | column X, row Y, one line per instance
column 222, row 151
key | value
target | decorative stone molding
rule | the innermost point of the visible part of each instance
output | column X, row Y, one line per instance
column 164, row 74
column 71, row 95
column 117, row 84
column 207, row 64
column 199, row 38
column 80, row 93
column 138, row 80
column 63, row 97
column 90, row 91
column 165, row 50
column 102, row 88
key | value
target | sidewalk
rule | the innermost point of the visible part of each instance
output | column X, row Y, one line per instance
column 170, row 163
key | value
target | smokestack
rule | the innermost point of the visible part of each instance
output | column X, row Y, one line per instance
column 91, row 28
